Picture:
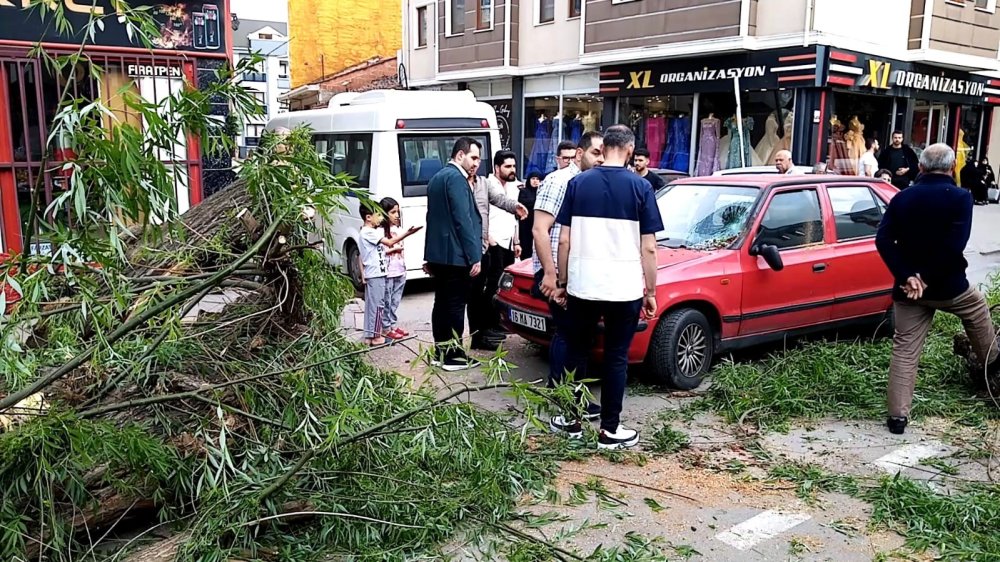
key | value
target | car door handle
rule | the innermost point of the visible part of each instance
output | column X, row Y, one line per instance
column 819, row 267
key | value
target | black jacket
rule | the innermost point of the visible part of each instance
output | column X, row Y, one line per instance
column 454, row 227
column 893, row 159
column 925, row 230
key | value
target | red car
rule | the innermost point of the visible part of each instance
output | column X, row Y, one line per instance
column 743, row 260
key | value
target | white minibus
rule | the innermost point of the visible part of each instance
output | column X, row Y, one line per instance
column 391, row 142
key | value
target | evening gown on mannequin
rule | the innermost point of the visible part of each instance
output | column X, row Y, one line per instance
column 539, row 157
column 576, row 129
column 855, row 140
column 557, row 124
column 769, row 140
column 656, row 138
column 785, row 142
column 734, row 144
column 677, row 155
column 840, row 160
column 589, row 122
column 722, row 154
column 708, row 147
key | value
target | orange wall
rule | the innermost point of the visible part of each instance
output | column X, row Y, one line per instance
column 330, row 35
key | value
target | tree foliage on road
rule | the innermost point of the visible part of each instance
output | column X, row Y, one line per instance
column 253, row 430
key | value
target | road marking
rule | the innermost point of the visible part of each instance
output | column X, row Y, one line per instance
column 761, row 527
column 908, row 456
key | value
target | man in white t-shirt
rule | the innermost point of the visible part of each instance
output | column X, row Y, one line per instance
column 868, row 164
column 504, row 243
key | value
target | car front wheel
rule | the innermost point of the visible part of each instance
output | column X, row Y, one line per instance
column 681, row 350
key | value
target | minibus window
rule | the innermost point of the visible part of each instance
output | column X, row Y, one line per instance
column 423, row 155
column 351, row 154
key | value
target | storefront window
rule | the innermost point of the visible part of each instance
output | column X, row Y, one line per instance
column 547, row 124
column 853, row 119
column 967, row 145
column 663, row 126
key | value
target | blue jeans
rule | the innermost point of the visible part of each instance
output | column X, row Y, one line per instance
column 620, row 322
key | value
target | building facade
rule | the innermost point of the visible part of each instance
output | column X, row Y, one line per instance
column 194, row 42
column 271, row 79
column 330, row 36
column 711, row 84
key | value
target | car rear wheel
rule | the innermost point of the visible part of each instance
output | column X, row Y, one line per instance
column 681, row 350
column 353, row 266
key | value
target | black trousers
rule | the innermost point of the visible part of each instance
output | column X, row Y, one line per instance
column 499, row 259
column 451, row 293
column 479, row 309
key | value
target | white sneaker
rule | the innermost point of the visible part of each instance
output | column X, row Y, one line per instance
column 569, row 428
column 622, row 438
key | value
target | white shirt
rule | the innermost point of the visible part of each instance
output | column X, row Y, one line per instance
column 373, row 256
column 503, row 225
column 868, row 160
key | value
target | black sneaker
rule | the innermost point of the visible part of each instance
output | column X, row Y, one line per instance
column 569, row 428
column 622, row 438
column 593, row 412
column 486, row 344
column 896, row 424
column 453, row 364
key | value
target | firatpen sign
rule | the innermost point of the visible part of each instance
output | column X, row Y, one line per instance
column 154, row 71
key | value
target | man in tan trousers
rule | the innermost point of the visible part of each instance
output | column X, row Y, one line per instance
column 922, row 239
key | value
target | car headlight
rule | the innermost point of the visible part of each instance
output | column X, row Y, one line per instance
column 506, row 282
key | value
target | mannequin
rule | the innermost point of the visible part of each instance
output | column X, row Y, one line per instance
column 708, row 146
column 575, row 128
column 735, row 143
column 962, row 154
column 589, row 122
column 855, row 139
column 677, row 155
column 656, row 138
column 839, row 161
column 769, row 140
column 722, row 154
column 785, row 142
column 538, row 160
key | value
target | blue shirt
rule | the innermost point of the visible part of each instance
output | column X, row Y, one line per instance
column 608, row 209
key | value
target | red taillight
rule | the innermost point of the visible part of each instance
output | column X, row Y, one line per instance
column 400, row 124
column 485, row 124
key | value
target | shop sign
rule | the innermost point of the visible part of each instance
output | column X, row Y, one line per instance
column 758, row 69
column 900, row 78
column 154, row 71
column 181, row 26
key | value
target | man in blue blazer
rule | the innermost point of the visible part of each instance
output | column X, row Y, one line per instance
column 453, row 250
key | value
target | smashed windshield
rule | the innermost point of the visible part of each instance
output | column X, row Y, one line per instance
column 704, row 217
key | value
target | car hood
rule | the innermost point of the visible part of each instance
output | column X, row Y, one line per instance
column 665, row 257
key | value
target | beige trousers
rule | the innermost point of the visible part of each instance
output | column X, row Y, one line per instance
column 913, row 322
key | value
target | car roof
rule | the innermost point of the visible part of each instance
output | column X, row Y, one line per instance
column 774, row 180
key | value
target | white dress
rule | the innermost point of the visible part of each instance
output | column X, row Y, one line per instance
column 768, row 141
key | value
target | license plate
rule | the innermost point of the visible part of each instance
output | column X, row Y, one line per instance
column 528, row 320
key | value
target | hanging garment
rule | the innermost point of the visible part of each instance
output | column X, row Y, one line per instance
column 590, row 122
column 708, row 147
column 575, row 130
column 656, row 138
column 735, row 144
column 786, row 141
column 677, row 155
column 768, row 141
column 540, row 155
column 840, row 161
column 557, row 129
column 722, row 154
column 855, row 140
column 962, row 154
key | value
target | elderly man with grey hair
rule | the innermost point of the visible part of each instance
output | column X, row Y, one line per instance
column 922, row 239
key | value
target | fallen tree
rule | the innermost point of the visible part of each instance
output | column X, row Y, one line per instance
column 178, row 387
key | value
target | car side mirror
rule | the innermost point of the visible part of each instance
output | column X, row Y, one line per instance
column 770, row 254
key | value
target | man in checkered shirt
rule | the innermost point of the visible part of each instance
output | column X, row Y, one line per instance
column 545, row 233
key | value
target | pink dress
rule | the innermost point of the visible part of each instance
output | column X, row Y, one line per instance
column 656, row 138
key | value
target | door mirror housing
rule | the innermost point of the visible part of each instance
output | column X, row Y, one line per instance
column 770, row 254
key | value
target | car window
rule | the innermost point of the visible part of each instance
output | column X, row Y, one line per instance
column 856, row 211
column 704, row 216
column 792, row 219
column 422, row 156
column 349, row 154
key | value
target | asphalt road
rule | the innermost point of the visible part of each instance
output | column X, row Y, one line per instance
column 698, row 501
